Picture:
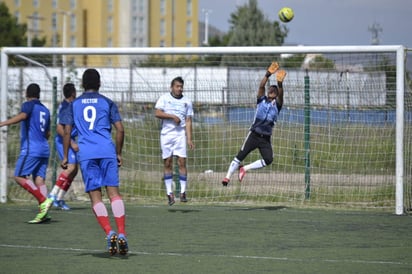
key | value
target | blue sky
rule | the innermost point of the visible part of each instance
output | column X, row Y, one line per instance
column 328, row 22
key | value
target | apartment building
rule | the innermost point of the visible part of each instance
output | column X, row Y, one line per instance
column 108, row 23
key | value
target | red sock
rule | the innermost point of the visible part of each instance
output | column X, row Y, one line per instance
column 119, row 214
column 34, row 190
column 102, row 217
column 67, row 184
column 62, row 180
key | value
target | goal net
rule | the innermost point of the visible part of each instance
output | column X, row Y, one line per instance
column 342, row 139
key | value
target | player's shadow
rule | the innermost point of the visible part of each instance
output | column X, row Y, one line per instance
column 106, row 255
column 260, row 208
column 183, row 210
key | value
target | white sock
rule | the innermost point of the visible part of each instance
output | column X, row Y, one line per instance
column 234, row 165
column 255, row 165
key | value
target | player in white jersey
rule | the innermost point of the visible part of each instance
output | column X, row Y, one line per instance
column 176, row 112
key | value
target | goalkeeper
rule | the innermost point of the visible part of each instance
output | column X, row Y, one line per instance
column 259, row 135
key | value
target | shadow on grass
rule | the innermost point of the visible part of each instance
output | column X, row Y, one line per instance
column 183, row 210
column 106, row 255
column 259, row 208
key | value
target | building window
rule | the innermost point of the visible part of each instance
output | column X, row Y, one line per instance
column 162, row 27
column 110, row 5
column 72, row 22
column 134, row 24
column 17, row 3
column 110, row 24
column 36, row 3
column 163, row 7
column 188, row 44
column 54, row 21
column 109, row 42
column 55, row 4
column 17, row 15
column 73, row 41
column 189, row 29
column 189, row 7
column 73, row 4
column 162, row 43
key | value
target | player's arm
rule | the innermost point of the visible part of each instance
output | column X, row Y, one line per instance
column 119, row 141
column 271, row 69
column 280, row 76
column 14, row 120
column 189, row 132
column 66, row 144
column 159, row 113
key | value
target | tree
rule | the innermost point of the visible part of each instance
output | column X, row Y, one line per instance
column 12, row 34
column 250, row 27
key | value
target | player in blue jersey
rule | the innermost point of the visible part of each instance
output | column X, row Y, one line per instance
column 66, row 177
column 93, row 115
column 176, row 113
column 34, row 155
column 259, row 136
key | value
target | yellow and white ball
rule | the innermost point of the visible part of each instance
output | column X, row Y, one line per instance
column 286, row 14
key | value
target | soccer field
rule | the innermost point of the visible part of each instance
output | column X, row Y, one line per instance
column 208, row 239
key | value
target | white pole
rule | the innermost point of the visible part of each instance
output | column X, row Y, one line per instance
column 64, row 37
column 400, row 72
column 3, row 130
column 206, row 40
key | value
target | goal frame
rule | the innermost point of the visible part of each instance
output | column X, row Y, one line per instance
column 399, row 50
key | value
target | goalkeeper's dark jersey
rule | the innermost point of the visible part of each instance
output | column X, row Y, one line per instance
column 265, row 117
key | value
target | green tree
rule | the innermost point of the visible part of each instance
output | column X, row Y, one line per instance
column 250, row 27
column 12, row 34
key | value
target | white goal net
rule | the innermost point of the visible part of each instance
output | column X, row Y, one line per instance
column 343, row 137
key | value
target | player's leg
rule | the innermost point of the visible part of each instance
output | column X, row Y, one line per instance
column 182, row 178
column 39, row 175
column 92, row 178
column 180, row 150
column 111, row 181
column 166, row 144
column 248, row 145
column 266, row 151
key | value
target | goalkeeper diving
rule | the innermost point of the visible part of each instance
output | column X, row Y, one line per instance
column 260, row 133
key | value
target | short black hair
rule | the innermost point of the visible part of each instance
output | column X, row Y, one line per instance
column 177, row 79
column 91, row 79
column 68, row 90
column 33, row 91
column 276, row 90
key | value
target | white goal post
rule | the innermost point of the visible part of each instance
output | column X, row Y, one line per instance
column 397, row 50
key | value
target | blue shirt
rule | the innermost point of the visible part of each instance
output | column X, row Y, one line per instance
column 62, row 111
column 265, row 117
column 34, row 129
column 93, row 114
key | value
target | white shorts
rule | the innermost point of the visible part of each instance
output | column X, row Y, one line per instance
column 173, row 144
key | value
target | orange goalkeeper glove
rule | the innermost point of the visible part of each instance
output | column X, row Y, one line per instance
column 272, row 69
column 280, row 75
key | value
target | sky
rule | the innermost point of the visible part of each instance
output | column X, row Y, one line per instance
column 327, row 22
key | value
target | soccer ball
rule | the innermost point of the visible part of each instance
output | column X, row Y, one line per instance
column 286, row 14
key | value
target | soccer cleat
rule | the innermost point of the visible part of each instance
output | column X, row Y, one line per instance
column 242, row 173
column 37, row 220
column 123, row 246
column 56, row 204
column 44, row 209
column 225, row 181
column 183, row 197
column 112, row 243
column 171, row 198
column 63, row 205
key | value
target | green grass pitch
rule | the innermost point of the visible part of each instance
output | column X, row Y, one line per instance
column 208, row 239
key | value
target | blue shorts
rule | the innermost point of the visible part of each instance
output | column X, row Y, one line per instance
column 98, row 173
column 72, row 156
column 28, row 165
